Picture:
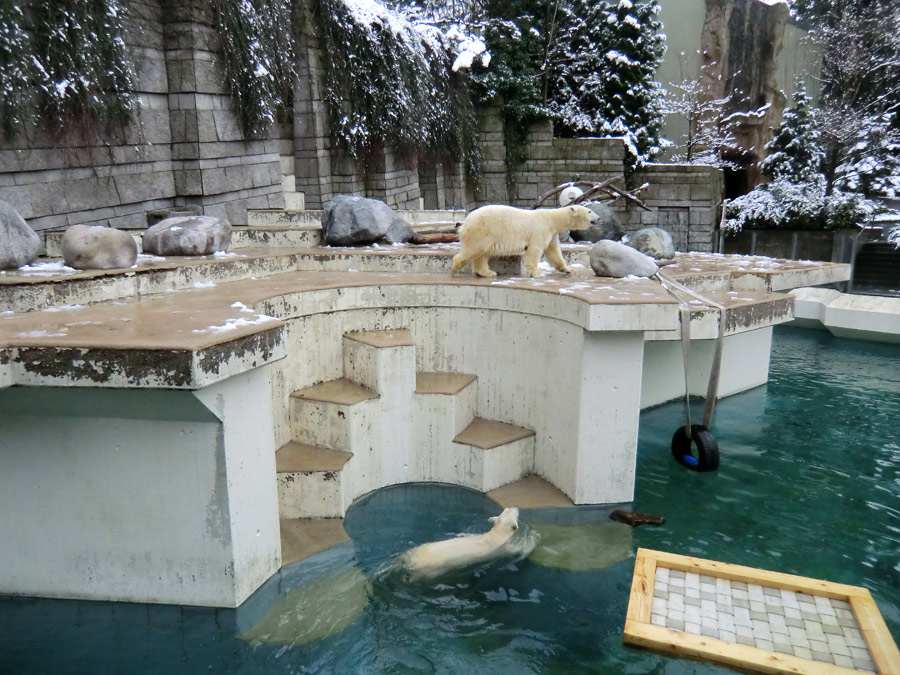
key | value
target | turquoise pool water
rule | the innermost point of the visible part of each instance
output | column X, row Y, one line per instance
column 809, row 484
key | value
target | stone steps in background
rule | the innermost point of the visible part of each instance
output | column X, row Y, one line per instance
column 383, row 423
column 282, row 228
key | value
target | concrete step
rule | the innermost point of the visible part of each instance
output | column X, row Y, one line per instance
column 303, row 537
column 321, row 414
column 444, row 405
column 284, row 217
column 295, row 218
column 531, row 492
column 276, row 237
column 421, row 217
column 382, row 360
column 490, row 454
column 447, row 400
column 309, row 481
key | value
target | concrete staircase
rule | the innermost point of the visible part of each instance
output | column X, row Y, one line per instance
column 383, row 423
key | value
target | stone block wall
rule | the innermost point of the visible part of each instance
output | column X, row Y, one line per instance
column 183, row 148
column 186, row 149
column 685, row 200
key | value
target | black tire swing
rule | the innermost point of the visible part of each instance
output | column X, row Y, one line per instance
column 706, row 457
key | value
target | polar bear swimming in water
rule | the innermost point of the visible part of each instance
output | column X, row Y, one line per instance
column 430, row 560
column 495, row 229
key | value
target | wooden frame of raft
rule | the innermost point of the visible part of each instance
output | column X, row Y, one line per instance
column 640, row 632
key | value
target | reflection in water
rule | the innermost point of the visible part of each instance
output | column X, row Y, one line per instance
column 809, row 484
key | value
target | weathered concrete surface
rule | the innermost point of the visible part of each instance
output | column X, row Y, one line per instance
column 43, row 287
column 139, row 495
column 745, row 364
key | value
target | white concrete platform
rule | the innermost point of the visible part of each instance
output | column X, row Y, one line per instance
column 276, row 346
column 857, row 317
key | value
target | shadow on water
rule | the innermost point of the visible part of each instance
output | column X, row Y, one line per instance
column 809, row 484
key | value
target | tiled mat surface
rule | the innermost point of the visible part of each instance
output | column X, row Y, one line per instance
column 806, row 626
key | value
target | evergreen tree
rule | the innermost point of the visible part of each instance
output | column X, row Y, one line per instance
column 518, row 34
column 604, row 80
column 871, row 165
column 577, row 61
column 630, row 100
column 795, row 153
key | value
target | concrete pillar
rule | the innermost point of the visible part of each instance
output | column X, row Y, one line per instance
column 393, row 179
column 608, row 418
column 312, row 142
column 595, row 440
column 214, row 166
column 139, row 495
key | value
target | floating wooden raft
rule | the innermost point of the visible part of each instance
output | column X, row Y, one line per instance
column 754, row 620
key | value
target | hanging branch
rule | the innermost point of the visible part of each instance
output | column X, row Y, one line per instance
column 606, row 191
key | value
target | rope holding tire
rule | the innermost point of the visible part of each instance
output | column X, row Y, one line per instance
column 707, row 457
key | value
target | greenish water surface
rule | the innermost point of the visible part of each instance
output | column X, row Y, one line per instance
column 809, row 484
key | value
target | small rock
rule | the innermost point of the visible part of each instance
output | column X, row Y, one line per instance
column 357, row 221
column 613, row 259
column 19, row 244
column 94, row 247
column 191, row 235
column 607, row 227
column 653, row 241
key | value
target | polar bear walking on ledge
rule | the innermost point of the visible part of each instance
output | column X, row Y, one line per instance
column 496, row 230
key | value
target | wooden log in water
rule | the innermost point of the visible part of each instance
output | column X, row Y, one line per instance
column 635, row 519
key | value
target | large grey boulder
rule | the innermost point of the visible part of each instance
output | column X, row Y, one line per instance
column 94, row 247
column 357, row 221
column 653, row 241
column 607, row 227
column 190, row 235
column 614, row 259
column 158, row 215
column 19, row 244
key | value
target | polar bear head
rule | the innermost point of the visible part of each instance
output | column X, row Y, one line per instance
column 580, row 217
column 507, row 522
